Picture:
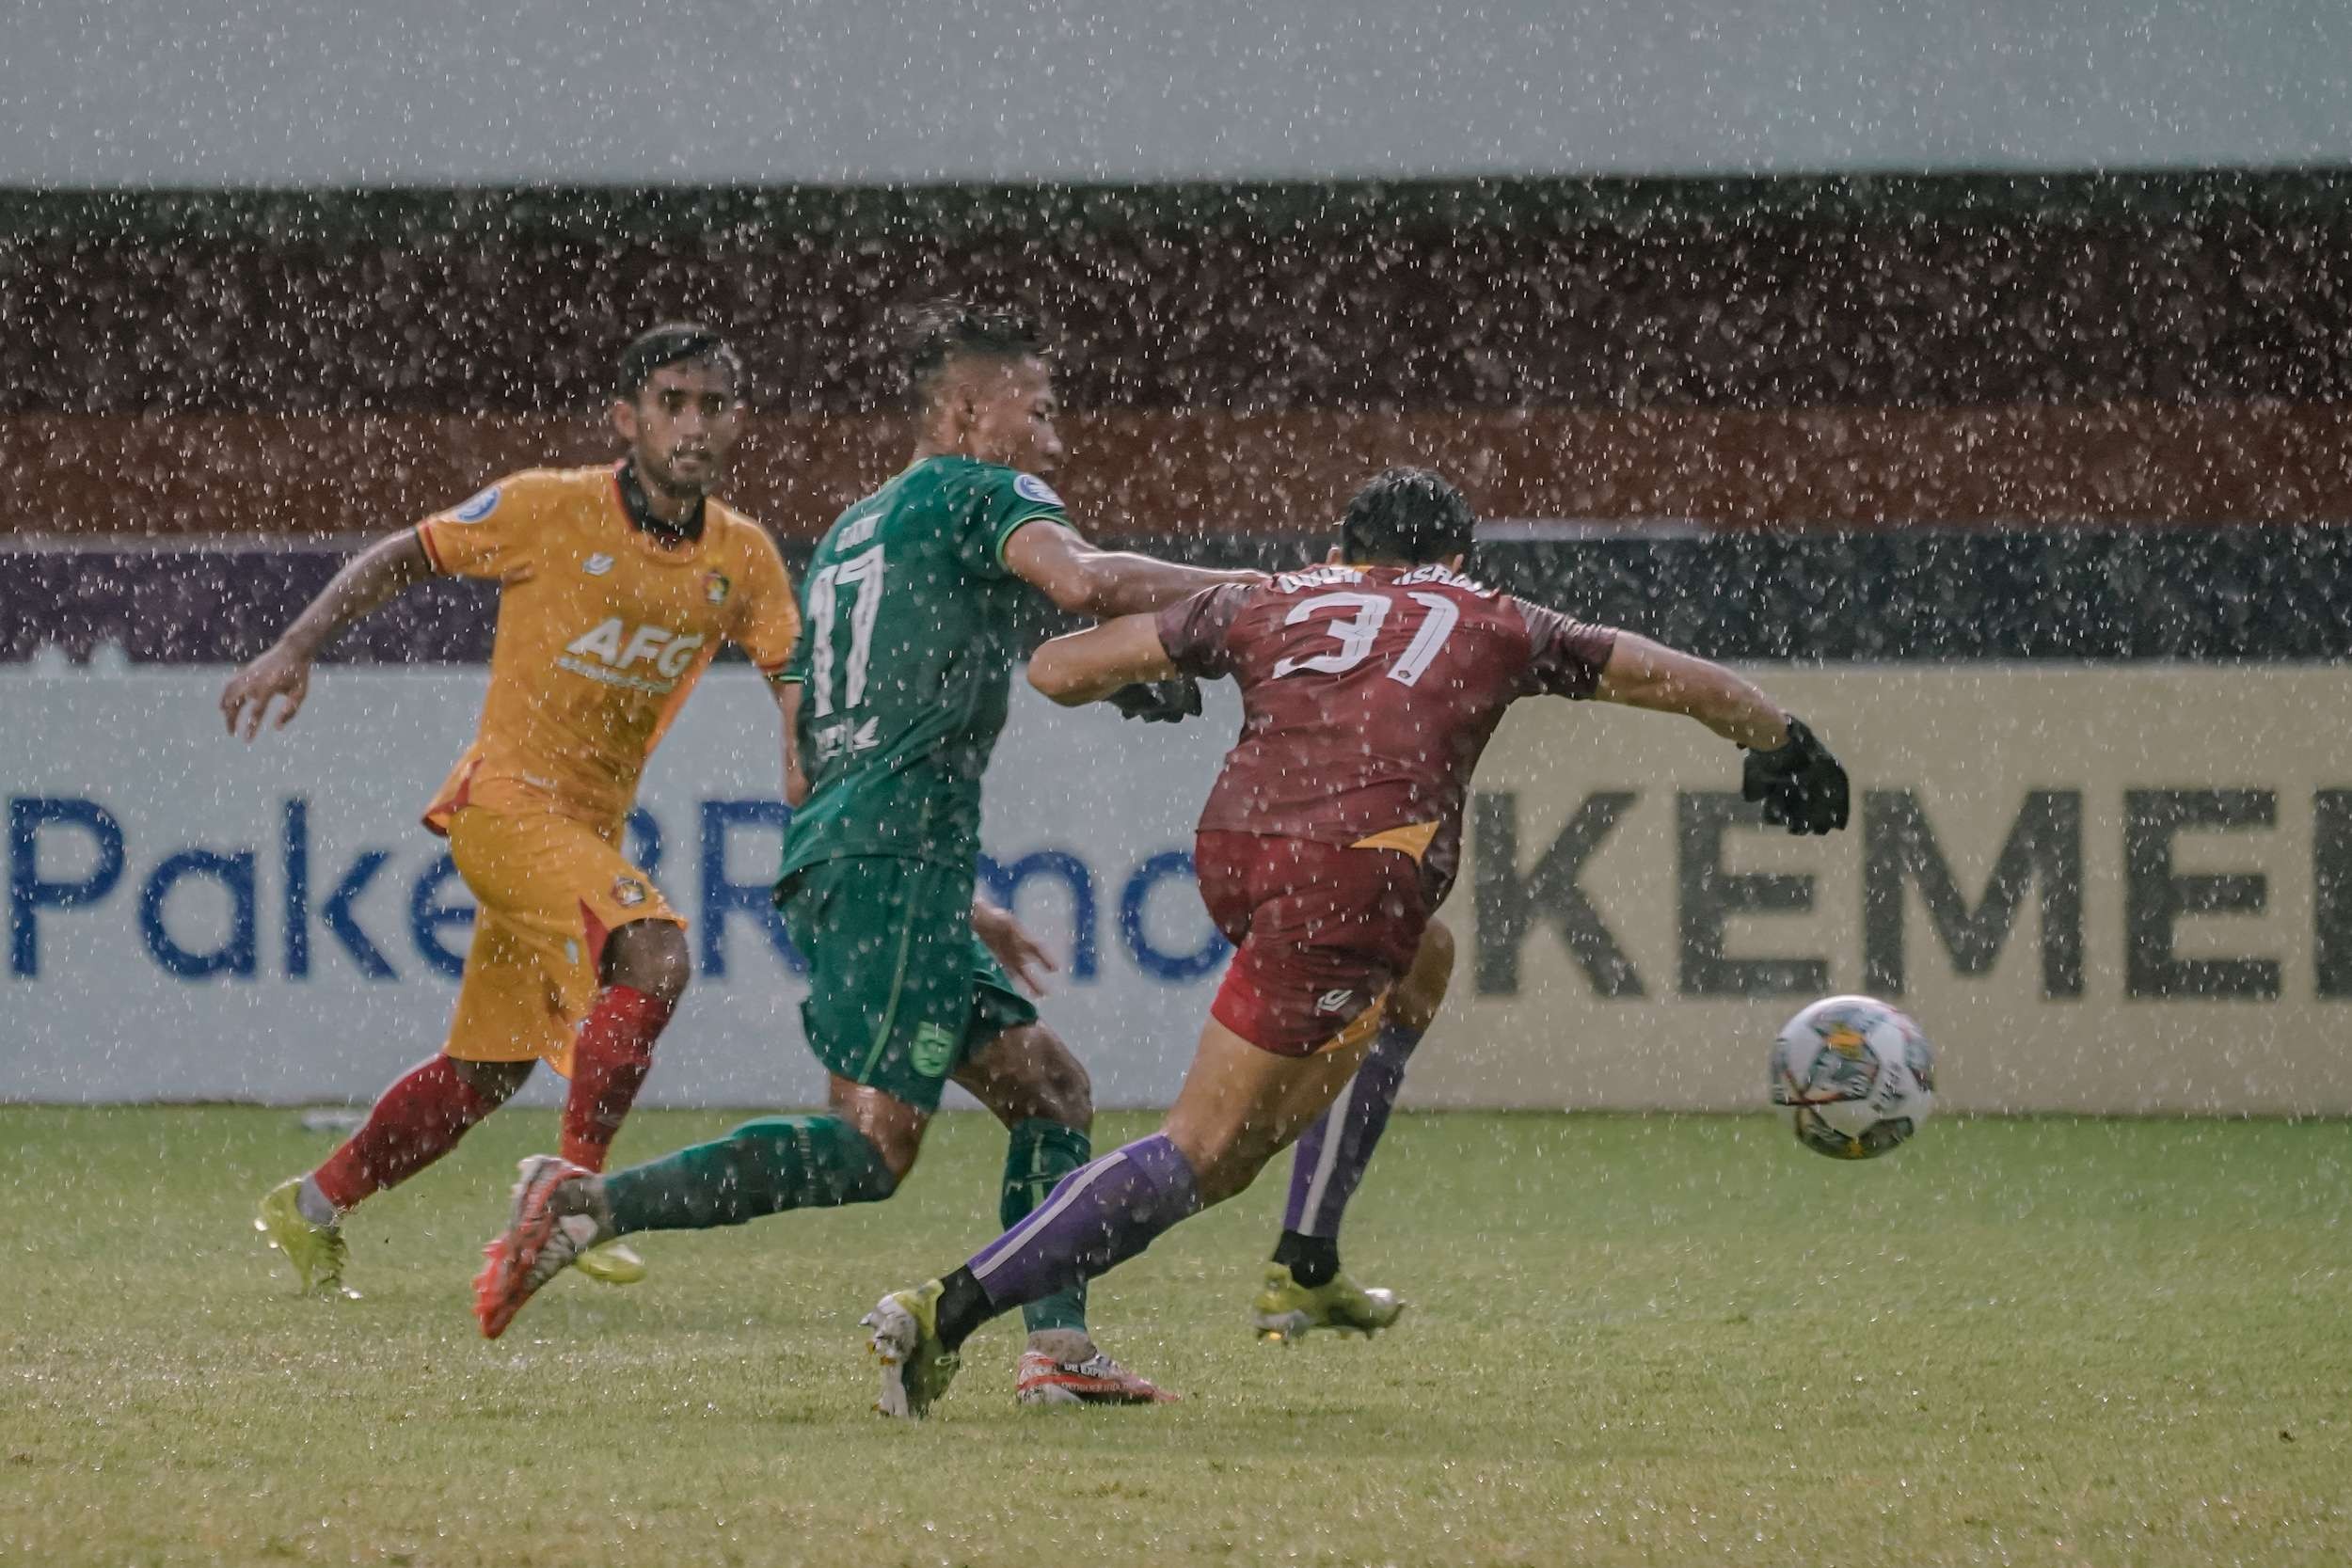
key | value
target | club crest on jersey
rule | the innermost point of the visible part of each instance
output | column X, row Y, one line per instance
column 1032, row 488
column 596, row 566
column 628, row 891
column 478, row 508
column 716, row 586
column 931, row 1050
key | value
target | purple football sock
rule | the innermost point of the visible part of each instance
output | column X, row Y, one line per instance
column 1101, row 1215
column 1330, row 1157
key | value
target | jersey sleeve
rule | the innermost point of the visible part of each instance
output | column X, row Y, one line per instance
column 1564, row 657
column 487, row 536
column 768, row 620
column 1003, row 502
column 1193, row 631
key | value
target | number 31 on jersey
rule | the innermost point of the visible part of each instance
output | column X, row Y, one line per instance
column 1356, row 633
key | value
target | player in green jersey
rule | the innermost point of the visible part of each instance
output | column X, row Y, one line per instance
column 904, row 668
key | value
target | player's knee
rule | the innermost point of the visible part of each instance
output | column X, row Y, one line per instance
column 1223, row 1163
column 1227, row 1175
column 1065, row 1094
column 1423, row 989
column 896, row 1153
column 1028, row 1074
column 651, row 957
column 494, row 1081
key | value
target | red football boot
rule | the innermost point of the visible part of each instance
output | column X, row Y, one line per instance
column 536, row 1245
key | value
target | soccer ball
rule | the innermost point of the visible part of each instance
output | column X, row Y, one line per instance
column 1856, row 1076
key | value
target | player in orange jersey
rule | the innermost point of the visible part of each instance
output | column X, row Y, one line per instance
column 617, row 585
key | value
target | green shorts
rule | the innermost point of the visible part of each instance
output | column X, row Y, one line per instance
column 901, row 993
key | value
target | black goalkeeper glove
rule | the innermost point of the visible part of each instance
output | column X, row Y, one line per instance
column 1169, row 702
column 1802, row 787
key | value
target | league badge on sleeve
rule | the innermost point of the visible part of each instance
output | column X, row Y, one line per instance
column 478, row 508
column 1032, row 488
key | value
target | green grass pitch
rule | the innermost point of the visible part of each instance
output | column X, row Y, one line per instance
column 1653, row 1340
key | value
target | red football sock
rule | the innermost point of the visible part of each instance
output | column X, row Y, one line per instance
column 611, row 1057
column 418, row 1120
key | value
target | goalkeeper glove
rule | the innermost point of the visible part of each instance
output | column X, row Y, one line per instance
column 1802, row 786
column 1169, row 702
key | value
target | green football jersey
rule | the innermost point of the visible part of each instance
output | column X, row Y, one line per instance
column 905, row 662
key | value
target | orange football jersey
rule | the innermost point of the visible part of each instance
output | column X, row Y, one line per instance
column 602, row 631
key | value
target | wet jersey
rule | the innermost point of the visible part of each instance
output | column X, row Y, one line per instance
column 602, row 630
column 1368, row 694
column 906, row 668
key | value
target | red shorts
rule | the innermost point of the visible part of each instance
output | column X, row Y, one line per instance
column 1320, row 931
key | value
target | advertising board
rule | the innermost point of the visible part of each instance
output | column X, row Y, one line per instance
column 2110, row 889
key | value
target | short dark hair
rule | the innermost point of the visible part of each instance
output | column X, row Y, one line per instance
column 941, row 330
column 674, row 344
column 1410, row 515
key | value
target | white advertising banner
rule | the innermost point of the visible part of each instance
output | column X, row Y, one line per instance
column 2122, row 889
column 2098, row 888
column 194, row 918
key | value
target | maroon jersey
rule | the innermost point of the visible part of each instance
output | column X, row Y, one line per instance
column 1368, row 694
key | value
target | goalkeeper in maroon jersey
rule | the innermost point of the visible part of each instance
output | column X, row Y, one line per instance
column 1369, row 686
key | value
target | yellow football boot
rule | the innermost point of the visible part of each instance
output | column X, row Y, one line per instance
column 316, row 1251
column 1285, row 1309
column 610, row 1264
column 916, row 1367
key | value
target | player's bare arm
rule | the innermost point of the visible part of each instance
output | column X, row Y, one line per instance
column 1014, row 944
column 1082, row 580
column 1802, row 786
column 1647, row 675
column 282, row 674
column 788, row 696
column 991, row 398
column 1088, row 666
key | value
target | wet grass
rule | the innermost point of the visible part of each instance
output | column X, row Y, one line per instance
column 1635, row 1340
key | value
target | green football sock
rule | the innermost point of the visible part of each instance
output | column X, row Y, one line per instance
column 1042, row 1152
column 762, row 1167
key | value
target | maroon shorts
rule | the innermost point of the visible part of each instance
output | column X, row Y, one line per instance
column 1320, row 931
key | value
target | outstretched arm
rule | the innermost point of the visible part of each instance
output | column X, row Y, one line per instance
column 1800, row 785
column 1642, row 673
column 283, row 672
column 1088, row 666
column 1083, row 580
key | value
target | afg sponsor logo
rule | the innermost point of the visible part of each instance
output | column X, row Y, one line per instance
column 615, row 650
column 285, row 908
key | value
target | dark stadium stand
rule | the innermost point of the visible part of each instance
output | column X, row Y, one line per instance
column 1780, row 353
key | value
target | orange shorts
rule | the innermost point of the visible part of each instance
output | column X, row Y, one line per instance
column 548, row 889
